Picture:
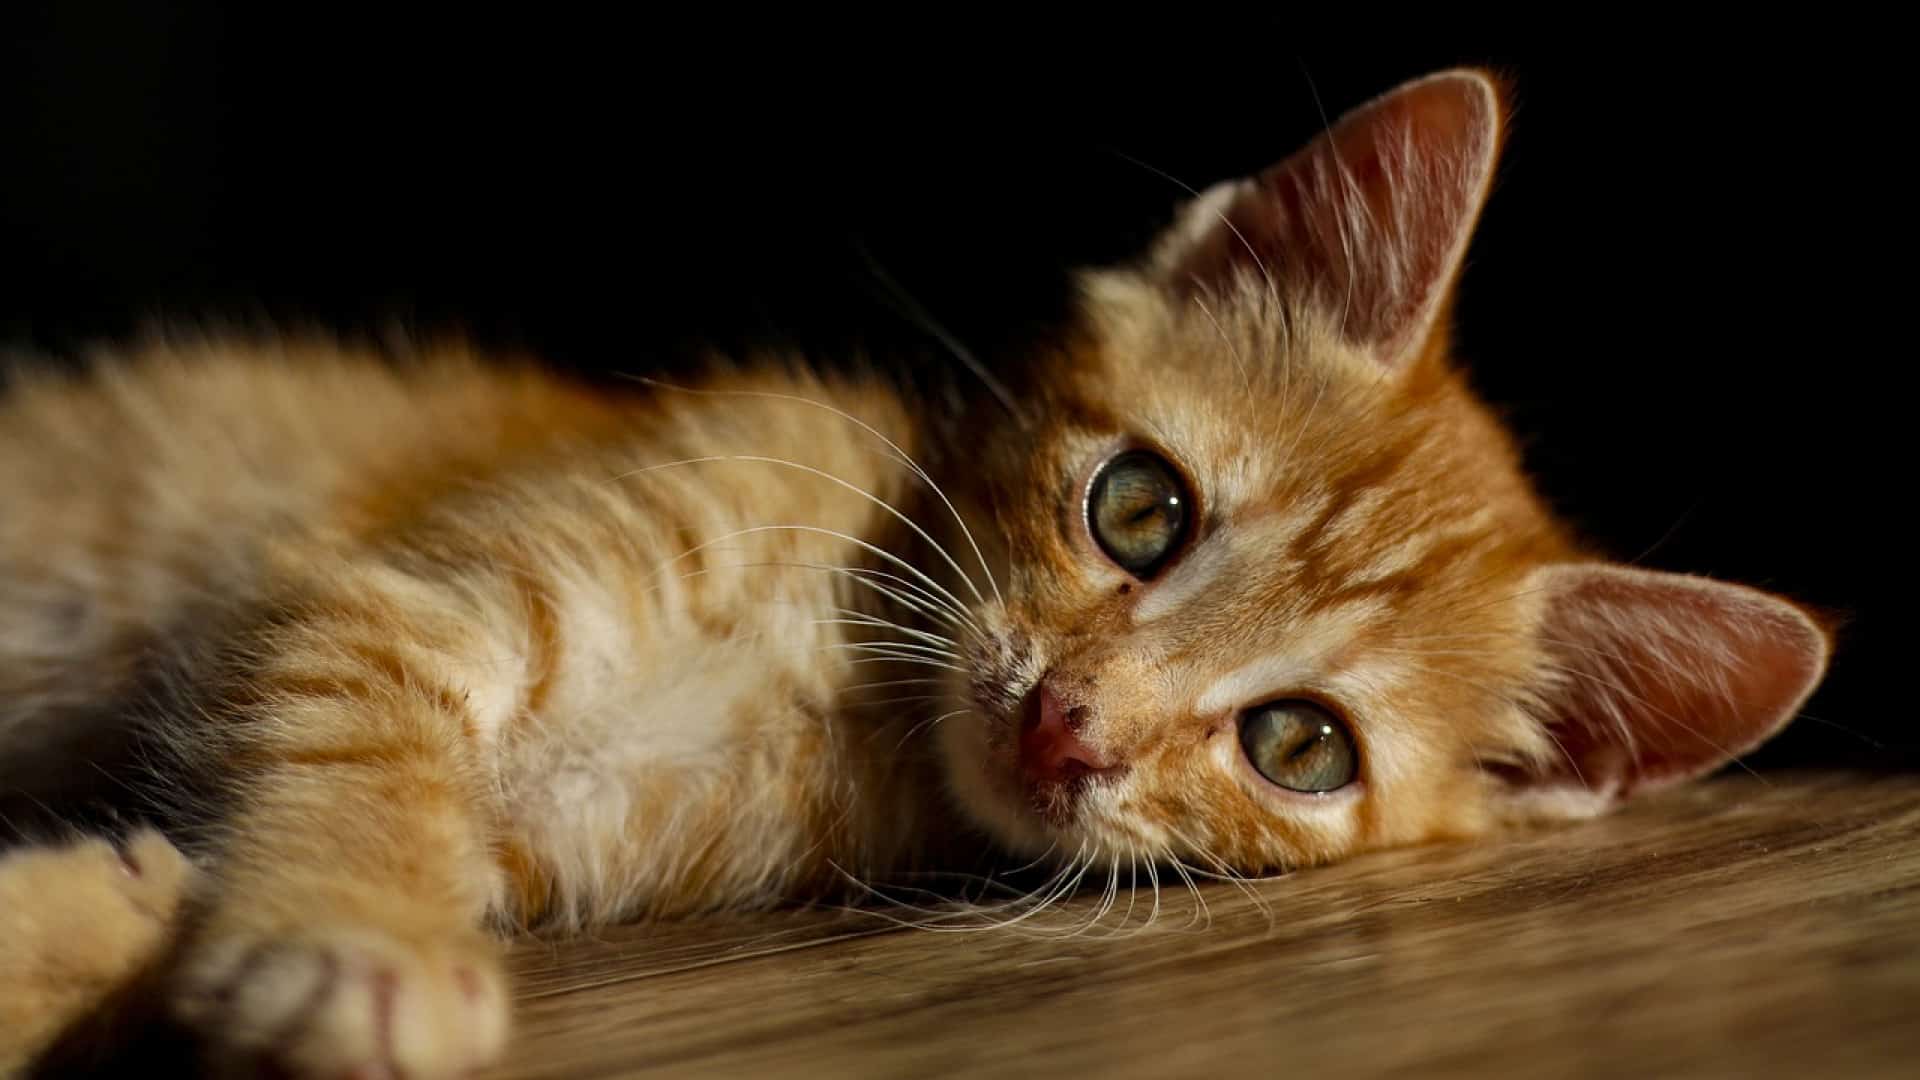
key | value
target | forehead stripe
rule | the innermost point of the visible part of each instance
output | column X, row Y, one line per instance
column 1189, row 577
column 1301, row 658
column 1213, row 557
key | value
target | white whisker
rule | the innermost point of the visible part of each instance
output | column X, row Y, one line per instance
column 857, row 619
column 904, row 457
column 876, row 500
column 816, row 530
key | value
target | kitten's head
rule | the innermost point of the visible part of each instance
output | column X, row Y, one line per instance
column 1278, row 589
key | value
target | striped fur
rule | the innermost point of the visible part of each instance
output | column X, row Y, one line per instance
column 404, row 654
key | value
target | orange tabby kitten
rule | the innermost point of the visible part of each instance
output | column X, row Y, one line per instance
column 1244, row 577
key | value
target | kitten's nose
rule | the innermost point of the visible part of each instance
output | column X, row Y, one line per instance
column 1051, row 750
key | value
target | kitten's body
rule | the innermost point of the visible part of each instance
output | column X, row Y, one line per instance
column 499, row 546
column 466, row 645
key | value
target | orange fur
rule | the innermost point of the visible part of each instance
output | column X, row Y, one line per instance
column 488, row 649
column 77, row 919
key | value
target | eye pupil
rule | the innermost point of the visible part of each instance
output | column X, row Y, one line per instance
column 1299, row 745
column 1136, row 511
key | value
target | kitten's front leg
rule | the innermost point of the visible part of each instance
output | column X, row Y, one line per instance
column 342, row 931
column 344, row 939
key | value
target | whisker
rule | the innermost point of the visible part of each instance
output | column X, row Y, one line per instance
column 908, row 700
column 1224, row 872
column 816, row 530
column 1153, row 876
column 883, row 683
column 1273, row 288
column 934, row 608
column 1112, row 894
column 901, row 659
column 1133, row 884
column 876, row 500
column 915, row 647
column 1028, row 905
column 913, row 309
column 1037, row 860
column 879, row 656
column 904, row 457
column 857, row 619
column 917, row 728
column 1202, row 908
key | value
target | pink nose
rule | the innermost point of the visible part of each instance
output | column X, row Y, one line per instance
column 1051, row 750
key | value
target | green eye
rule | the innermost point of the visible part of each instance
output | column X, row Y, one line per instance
column 1138, row 511
column 1299, row 745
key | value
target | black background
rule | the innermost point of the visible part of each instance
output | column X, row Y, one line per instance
column 1685, row 293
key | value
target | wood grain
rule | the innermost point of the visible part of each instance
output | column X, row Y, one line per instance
column 1745, row 926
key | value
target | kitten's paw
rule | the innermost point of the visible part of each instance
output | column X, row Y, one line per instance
column 348, row 1002
column 76, row 923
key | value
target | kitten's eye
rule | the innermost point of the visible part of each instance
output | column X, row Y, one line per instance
column 1298, row 745
column 1138, row 511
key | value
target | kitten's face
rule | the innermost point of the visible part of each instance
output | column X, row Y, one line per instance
column 1277, row 600
column 1278, row 591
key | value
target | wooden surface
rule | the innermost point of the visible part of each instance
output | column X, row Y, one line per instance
column 1745, row 926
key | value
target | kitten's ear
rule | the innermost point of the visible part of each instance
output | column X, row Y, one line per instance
column 1659, row 678
column 1368, row 223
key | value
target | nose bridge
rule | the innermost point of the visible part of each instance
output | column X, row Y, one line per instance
column 1117, row 674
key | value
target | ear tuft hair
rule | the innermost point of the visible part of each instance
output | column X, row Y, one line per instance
column 1368, row 223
